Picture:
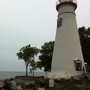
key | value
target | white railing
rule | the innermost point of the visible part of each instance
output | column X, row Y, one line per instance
column 60, row 1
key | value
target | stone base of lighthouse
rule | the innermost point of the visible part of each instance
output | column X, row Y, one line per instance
column 62, row 74
column 59, row 75
column 66, row 70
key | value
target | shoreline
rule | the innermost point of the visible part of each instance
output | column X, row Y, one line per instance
column 9, row 74
column 40, row 82
column 26, row 81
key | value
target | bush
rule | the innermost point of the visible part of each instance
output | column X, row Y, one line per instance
column 46, row 83
column 34, row 87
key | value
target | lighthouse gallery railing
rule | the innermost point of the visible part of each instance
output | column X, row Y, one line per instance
column 60, row 1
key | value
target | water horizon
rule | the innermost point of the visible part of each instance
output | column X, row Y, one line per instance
column 13, row 74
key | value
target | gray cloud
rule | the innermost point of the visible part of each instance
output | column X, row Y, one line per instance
column 24, row 22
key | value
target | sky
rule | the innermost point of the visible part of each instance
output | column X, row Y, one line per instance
column 33, row 22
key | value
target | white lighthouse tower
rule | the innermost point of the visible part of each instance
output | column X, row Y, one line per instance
column 67, row 55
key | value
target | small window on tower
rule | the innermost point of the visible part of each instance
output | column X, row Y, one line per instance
column 78, row 65
column 59, row 22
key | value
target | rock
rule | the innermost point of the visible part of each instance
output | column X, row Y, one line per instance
column 41, row 89
column 79, row 86
column 77, row 78
column 19, row 81
column 19, row 87
column 28, row 84
column 1, row 83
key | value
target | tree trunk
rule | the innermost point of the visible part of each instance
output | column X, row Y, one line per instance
column 26, row 70
column 33, row 72
column 46, row 73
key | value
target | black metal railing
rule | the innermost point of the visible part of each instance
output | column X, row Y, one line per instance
column 61, row 1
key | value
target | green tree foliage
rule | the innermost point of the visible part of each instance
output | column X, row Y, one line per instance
column 85, row 43
column 27, row 53
column 39, row 65
column 33, row 65
column 45, row 57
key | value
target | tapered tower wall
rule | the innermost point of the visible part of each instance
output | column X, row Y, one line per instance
column 67, row 46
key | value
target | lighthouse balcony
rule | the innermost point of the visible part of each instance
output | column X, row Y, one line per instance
column 62, row 2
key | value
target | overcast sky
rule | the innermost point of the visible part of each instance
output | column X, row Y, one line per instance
column 24, row 22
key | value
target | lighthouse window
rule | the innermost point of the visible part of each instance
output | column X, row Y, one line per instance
column 78, row 65
column 59, row 22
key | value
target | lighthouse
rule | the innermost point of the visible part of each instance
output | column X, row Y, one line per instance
column 67, row 58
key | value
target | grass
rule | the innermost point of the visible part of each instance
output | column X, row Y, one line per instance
column 70, row 85
column 65, row 85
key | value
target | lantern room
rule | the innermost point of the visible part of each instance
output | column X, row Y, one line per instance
column 63, row 2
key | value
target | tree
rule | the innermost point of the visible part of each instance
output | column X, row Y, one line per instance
column 27, row 53
column 46, row 56
column 33, row 65
column 84, row 35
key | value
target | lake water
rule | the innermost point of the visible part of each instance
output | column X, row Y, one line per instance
column 8, row 75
